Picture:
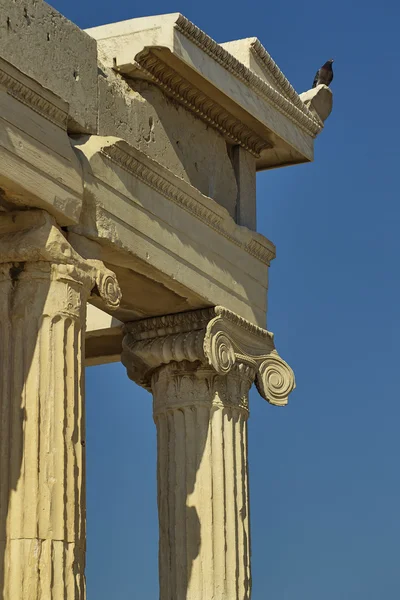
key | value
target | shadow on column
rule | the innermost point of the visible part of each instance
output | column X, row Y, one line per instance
column 16, row 354
column 31, row 380
column 184, row 478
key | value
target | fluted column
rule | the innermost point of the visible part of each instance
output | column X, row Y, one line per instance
column 42, row 424
column 200, row 367
column 201, row 420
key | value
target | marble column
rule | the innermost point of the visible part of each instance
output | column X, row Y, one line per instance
column 44, row 287
column 200, row 367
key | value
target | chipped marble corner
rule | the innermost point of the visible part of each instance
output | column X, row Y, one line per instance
column 319, row 101
column 213, row 337
column 33, row 236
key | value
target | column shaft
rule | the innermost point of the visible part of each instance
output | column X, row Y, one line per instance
column 201, row 420
column 42, row 477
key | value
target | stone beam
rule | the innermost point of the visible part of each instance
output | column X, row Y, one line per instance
column 164, row 237
column 38, row 166
column 103, row 341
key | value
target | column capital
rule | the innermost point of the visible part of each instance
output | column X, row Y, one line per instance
column 215, row 337
column 33, row 237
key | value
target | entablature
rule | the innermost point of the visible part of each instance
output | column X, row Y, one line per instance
column 263, row 115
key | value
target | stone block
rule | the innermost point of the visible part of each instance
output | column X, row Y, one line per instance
column 140, row 113
column 319, row 100
column 38, row 167
column 43, row 44
column 161, row 236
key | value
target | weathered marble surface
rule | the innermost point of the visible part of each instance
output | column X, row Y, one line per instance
column 56, row 53
column 319, row 100
column 209, row 81
column 128, row 159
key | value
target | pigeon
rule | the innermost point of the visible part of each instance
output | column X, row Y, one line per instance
column 324, row 74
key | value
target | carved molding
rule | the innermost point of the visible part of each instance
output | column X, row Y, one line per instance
column 177, row 385
column 259, row 247
column 33, row 238
column 200, row 104
column 33, row 100
column 265, row 61
column 264, row 253
column 296, row 112
column 215, row 337
column 157, row 182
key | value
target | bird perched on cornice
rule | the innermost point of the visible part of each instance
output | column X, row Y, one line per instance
column 324, row 74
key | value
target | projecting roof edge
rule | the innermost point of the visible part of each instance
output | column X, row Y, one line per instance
column 294, row 109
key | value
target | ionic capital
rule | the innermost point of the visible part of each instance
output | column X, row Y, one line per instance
column 32, row 244
column 214, row 337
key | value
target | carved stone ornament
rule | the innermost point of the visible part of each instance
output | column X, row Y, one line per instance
column 215, row 337
column 199, row 104
column 56, row 113
column 32, row 236
column 287, row 103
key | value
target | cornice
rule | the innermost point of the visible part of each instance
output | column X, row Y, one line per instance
column 260, row 251
column 265, row 60
column 294, row 110
column 214, row 337
column 257, row 246
column 21, row 92
column 200, row 104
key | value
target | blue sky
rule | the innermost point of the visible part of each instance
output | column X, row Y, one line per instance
column 324, row 472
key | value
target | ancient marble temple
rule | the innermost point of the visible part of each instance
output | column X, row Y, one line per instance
column 128, row 160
